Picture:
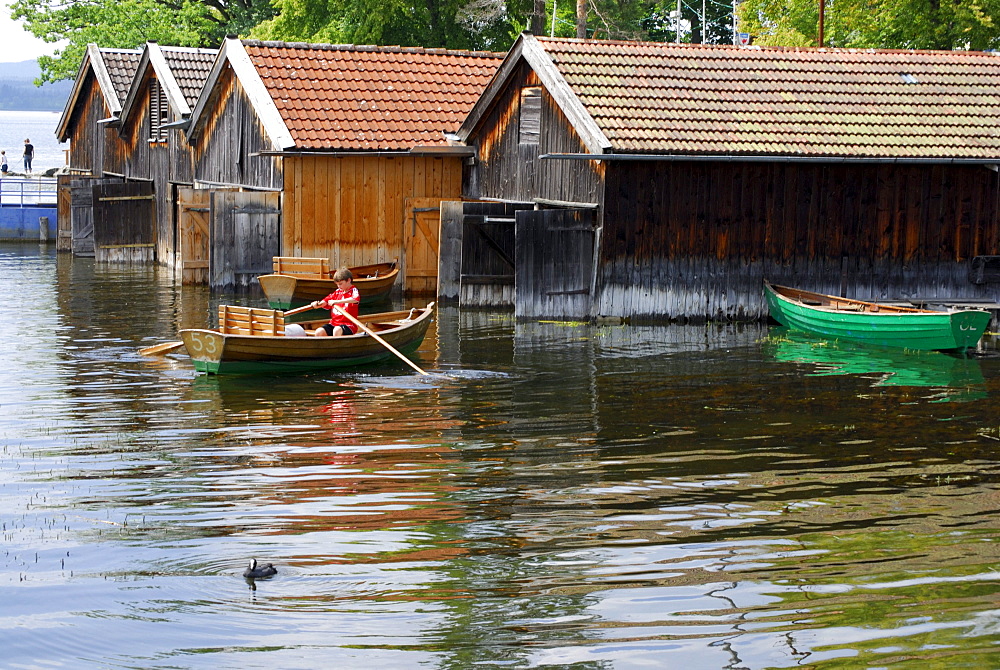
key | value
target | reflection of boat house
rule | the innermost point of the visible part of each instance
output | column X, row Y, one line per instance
column 653, row 181
column 326, row 151
column 94, row 103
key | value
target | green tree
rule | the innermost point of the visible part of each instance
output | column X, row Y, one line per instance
column 887, row 24
column 129, row 24
column 454, row 24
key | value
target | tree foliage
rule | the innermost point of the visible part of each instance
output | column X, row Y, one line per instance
column 129, row 24
column 455, row 24
column 888, row 24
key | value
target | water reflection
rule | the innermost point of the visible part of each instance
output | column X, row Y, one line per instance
column 957, row 378
column 557, row 495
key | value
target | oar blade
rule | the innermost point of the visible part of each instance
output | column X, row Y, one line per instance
column 158, row 349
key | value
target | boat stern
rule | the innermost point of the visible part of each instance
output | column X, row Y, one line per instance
column 278, row 289
column 968, row 326
column 205, row 348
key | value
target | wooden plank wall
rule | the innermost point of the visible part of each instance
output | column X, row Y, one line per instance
column 223, row 153
column 64, row 215
column 353, row 209
column 86, row 139
column 509, row 170
column 245, row 237
column 163, row 164
column 117, row 209
column 555, row 260
column 696, row 240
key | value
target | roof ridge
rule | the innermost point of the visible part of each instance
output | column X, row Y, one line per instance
column 762, row 48
column 377, row 48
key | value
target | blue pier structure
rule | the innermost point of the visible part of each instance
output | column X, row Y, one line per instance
column 24, row 203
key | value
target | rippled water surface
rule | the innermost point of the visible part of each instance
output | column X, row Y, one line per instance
column 554, row 495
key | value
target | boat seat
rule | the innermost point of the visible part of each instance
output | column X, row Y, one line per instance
column 234, row 320
column 301, row 267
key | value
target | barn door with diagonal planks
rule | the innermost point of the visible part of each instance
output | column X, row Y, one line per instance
column 421, row 232
column 82, row 213
column 193, row 209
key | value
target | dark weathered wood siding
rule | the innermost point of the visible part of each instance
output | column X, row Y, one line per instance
column 509, row 170
column 222, row 154
column 693, row 239
column 162, row 163
column 86, row 136
column 94, row 148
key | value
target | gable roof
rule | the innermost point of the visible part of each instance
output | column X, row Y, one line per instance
column 322, row 97
column 113, row 71
column 705, row 100
column 180, row 71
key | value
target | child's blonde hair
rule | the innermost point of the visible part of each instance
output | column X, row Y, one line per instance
column 342, row 274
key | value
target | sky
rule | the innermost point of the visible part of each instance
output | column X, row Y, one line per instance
column 18, row 44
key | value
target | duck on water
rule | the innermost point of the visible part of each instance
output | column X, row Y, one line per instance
column 261, row 571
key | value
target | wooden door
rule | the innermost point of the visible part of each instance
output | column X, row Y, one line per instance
column 245, row 236
column 193, row 209
column 421, row 233
column 124, row 222
column 64, row 217
column 554, row 249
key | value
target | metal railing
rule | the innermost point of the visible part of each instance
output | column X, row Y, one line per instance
column 28, row 191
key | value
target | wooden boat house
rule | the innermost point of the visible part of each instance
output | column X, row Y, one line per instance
column 156, row 161
column 93, row 106
column 125, row 162
column 662, row 181
column 325, row 151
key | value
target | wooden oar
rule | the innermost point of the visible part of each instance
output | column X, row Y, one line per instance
column 165, row 347
column 380, row 340
column 158, row 349
column 304, row 308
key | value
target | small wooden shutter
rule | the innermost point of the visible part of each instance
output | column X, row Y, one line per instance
column 531, row 114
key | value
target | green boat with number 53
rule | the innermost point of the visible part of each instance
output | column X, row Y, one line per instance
column 875, row 323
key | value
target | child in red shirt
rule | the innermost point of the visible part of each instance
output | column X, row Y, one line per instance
column 347, row 297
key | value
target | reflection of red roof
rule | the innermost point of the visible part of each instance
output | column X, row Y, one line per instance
column 369, row 98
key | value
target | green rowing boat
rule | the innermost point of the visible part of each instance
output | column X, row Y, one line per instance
column 875, row 323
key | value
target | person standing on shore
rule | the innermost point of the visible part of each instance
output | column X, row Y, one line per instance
column 3, row 162
column 29, row 153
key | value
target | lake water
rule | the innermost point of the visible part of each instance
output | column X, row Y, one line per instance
column 40, row 128
column 554, row 496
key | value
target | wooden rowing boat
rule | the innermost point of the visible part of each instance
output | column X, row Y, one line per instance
column 252, row 340
column 875, row 323
column 298, row 281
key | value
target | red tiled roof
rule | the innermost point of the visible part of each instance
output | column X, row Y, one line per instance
column 702, row 99
column 368, row 98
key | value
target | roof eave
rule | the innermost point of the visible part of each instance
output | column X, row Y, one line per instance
column 95, row 61
column 235, row 55
column 534, row 54
column 770, row 158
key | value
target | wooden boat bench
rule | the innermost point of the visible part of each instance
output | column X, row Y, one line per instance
column 301, row 267
column 235, row 320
